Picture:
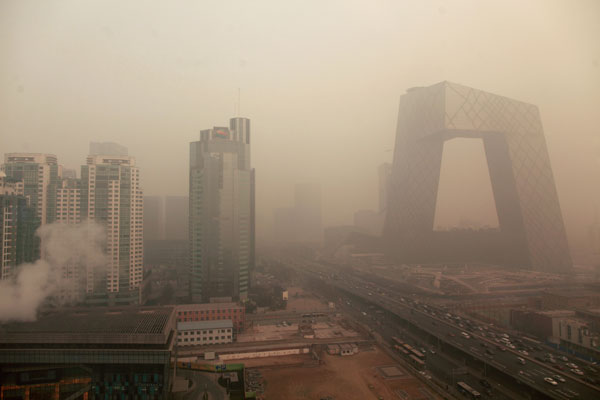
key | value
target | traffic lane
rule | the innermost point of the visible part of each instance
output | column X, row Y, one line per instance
column 356, row 288
column 418, row 316
column 506, row 358
column 435, row 364
column 423, row 317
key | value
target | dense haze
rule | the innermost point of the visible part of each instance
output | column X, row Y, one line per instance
column 64, row 248
column 320, row 81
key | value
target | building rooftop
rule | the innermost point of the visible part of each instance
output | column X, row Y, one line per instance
column 573, row 292
column 124, row 325
column 206, row 306
column 198, row 325
column 556, row 313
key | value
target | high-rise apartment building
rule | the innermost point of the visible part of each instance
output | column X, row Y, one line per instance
column 68, row 201
column 111, row 195
column 220, row 214
column 18, row 243
column 39, row 173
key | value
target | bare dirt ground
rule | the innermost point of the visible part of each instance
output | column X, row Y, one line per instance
column 351, row 377
column 300, row 301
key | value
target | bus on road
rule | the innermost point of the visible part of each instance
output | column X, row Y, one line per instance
column 415, row 362
column 468, row 390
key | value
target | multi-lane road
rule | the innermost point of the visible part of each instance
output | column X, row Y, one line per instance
column 479, row 341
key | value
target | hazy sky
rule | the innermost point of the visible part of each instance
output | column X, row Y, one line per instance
column 320, row 80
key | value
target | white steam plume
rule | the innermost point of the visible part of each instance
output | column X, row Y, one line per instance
column 71, row 254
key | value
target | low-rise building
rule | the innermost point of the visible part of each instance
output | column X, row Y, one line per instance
column 213, row 312
column 542, row 324
column 204, row 332
column 89, row 353
column 333, row 349
column 574, row 331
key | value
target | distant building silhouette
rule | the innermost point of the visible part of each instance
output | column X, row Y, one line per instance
column 308, row 206
column 107, row 149
column 532, row 234
column 384, row 172
column 176, row 217
column 154, row 227
column 301, row 223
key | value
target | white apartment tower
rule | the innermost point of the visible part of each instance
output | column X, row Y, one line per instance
column 111, row 195
column 68, row 201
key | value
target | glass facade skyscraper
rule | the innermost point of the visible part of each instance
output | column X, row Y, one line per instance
column 532, row 234
column 221, row 223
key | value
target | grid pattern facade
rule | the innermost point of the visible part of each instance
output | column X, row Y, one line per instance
column 68, row 202
column 199, row 333
column 17, row 234
column 519, row 166
column 212, row 312
column 39, row 173
column 220, row 213
column 111, row 195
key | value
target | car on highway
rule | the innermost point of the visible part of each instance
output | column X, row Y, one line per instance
column 520, row 360
column 565, row 359
column 524, row 352
column 559, row 378
column 550, row 381
column 465, row 335
column 577, row 371
column 571, row 365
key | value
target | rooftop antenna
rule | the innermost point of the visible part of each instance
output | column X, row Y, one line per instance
column 239, row 103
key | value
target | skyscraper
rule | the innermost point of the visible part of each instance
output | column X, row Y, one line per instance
column 39, row 173
column 111, row 195
column 532, row 233
column 220, row 215
column 68, row 201
column 18, row 243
